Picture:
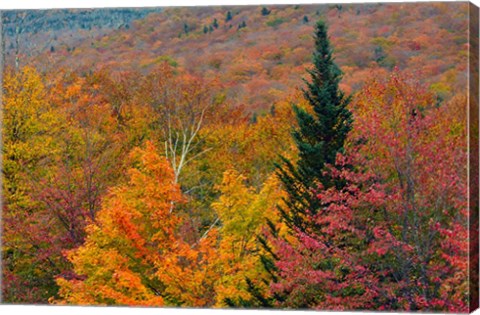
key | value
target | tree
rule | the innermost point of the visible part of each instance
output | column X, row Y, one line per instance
column 320, row 135
column 419, row 147
column 133, row 229
column 58, row 162
column 30, row 124
column 183, row 105
column 265, row 11
column 229, row 16
column 241, row 213
column 115, row 88
column 215, row 23
column 242, row 25
column 133, row 254
column 330, row 264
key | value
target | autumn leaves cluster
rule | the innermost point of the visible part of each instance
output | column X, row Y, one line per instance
column 128, row 189
column 80, row 150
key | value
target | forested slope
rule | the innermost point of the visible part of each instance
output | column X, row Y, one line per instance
column 281, row 156
column 263, row 56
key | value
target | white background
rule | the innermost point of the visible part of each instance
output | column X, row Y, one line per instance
column 67, row 310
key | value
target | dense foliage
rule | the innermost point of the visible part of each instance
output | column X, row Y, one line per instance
column 214, row 179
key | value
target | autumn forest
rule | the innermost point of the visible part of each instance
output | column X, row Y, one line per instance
column 299, row 157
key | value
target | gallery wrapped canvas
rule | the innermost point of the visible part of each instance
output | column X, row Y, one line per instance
column 304, row 156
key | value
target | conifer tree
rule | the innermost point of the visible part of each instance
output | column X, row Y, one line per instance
column 265, row 11
column 320, row 135
column 229, row 16
column 242, row 25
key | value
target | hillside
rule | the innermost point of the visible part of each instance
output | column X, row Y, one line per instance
column 28, row 33
column 262, row 57
column 291, row 157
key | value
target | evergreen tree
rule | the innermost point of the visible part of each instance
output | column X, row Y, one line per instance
column 254, row 119
column 205, row 29
column 229, row 16
column 320, row 135
column 242, row 25
column 215, row 23
column 273, row 110
column 305, row 19
column 265, row 11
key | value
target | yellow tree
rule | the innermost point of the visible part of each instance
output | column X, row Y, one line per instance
column 242, row 214
column 30, row 124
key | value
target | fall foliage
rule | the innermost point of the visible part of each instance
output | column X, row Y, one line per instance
column 225, row 157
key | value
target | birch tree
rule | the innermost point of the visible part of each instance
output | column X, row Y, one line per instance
column 184, row 104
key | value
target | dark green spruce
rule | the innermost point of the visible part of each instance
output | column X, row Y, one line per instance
column 320, row 135
column 229, row 16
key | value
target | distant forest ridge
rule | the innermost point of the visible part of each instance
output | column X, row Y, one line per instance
column 260, row 52
column 30, row 32
column 34, row 21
